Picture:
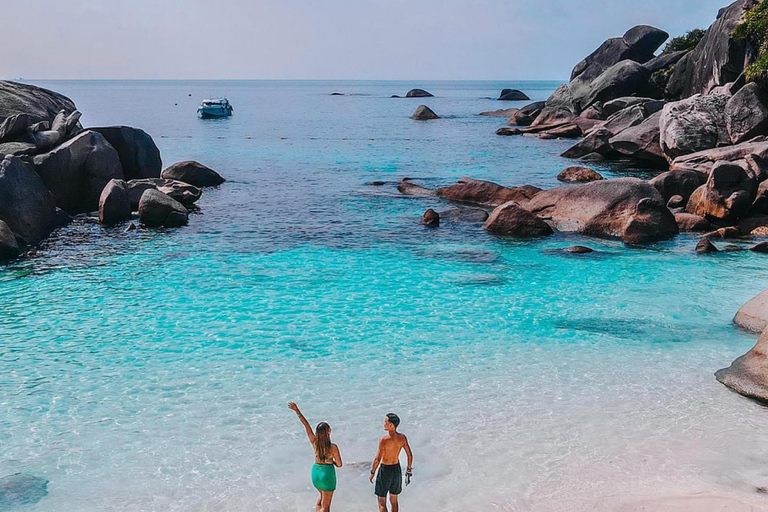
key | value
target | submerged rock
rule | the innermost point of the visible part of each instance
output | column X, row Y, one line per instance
column 193, row 173
column 139, row 156
column 21, row 489
column 9, row 248
column 464, row 215
column 418, row 93
column 578, row 249
column 486, row 193
column 430, row 218
column 502, row 112
column 579, row 175
column 424, row 113
column 748, row 375
column 705, row 246
column 26, row 205
column 411, row 189
column 114, row 205
column 511, row 219
column 157, row 209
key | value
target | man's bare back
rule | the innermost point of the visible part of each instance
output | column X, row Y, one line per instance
column 390, row 446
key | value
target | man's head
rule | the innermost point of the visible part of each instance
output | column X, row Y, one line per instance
column 391, row 422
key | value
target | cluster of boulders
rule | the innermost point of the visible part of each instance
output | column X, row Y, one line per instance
column 52, row 169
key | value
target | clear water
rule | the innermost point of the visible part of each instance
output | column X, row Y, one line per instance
column 150, row 370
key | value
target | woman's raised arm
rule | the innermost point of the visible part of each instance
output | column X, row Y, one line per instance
column 295, row 408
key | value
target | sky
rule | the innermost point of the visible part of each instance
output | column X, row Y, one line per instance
column 323, row 39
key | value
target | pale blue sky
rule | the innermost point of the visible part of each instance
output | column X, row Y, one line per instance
column 323, row 39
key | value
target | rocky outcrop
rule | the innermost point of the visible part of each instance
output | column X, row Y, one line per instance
column 411, row 189
column 502, row 112
column 486, row 193
column 62, row 127
column 77, row 171
column 182, row 192
column 705, row 246
column 9, row 247
column 424, row 113
column 511, row 219
column 157, row 209
column 641, row 142
column 139, row 156
column 718, row 59
column 625, row 208
column 623, row 79
column 704, row 160
column 114, row 206
column 620, row 104
column 664, row 61
column 746, row 114
column 678, row 183
column 513, row 95
column 748, row 375
column 727, row 195
column 26, row 205
column 430, row 218
column 418, row 93
column 193, row 173
column 578, row 175
column 596, row 142
column 692, row 125
column 36, row 103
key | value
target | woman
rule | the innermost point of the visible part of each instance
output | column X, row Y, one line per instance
column 327, row 459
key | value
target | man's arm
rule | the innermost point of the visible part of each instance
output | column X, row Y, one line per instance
column 311, row 435
column 377, row 459
column 409, row 453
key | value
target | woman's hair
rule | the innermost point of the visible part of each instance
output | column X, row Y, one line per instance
column 323, row 441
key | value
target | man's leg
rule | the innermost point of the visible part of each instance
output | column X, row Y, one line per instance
column 382, row 504
column 393, row 502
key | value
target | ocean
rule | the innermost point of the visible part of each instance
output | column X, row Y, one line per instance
column 150, row 370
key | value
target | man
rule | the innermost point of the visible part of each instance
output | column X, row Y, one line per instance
column 390, row 479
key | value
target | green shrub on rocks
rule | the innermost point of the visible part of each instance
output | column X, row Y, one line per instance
column 687, row 41
column 755, row 31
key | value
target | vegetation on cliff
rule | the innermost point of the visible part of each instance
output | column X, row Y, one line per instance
column 755, row 31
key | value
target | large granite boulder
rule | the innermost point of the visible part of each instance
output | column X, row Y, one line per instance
column 687, row 222
column 114, row 206
column 18, row 148
column 746, row 113
column 182, row 192
column 596, row 142
column 9, row 247
column 718, row 59
column 418, row 93
column 486, row 193
column 562, row 99
column 157, row 209
column 513, row 95
column 14, row 126
column 619, row 104
column 511, row 219
column 678, row 183
column 703, row 161
column 424, row 113
column 623, row 119
column 623, row 79
column 665, row 61
column 641, row 142
column 193, row 173
column 748, row 375
column 645, row 39
column 26, row 205
column 36, row 103
column 138, row 153
column 61, row 128
column 753, row 316
column 692, row 125
column 727, row 195
column 77, row 171
column 625, row 208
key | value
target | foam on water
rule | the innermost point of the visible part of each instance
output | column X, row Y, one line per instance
column 150, row 370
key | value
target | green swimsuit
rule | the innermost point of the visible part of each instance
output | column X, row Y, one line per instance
column 324, row 477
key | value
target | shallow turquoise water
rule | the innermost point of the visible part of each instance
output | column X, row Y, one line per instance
column 150, row 370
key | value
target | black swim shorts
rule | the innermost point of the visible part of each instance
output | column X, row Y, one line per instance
column 389, row 480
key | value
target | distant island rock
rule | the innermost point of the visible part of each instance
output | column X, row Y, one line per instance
column 418, row 93
column 424, row 113
column 513, row 95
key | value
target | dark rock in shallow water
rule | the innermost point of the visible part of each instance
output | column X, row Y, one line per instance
column 37, row 103
column 77, row 171
column 26, row 205
column 138, row 153
column 486, row 193
column 193, row 173
column 733, row 248
column 705, row 246
column 130, row 227
column 410, row 189
column 727, row 195
column 718, row 59
column 62, row 218
column 21, row 489
column 502, row 112
column 687, row 222
column 464, row 215
column 513, row 95
column 748, row 375
column 418, row 93
column 424, row 113
column 114, row 205
column 508, row 131
column 182, row 192
column 9, row 248
column 724, row 233
column 579, row 175
column 337, row 94
column 762, row 247
column 157, row 209
column 578, row 249
column 430, row 218
column 746, row 113
column 625, row 208
column 692, row 125
column 511, row 219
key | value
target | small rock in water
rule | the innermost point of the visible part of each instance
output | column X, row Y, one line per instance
column 508, row 131
column 418, row 93
column 579, row 175
column 762, row 247
column 705, row 246
column 337, row 94
column 376, row 183
column 732, row 248
column 578, row 249
column 513, row 95
column 424, row 113
column 21, row 489
column 130, row 227
column 430, row 218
